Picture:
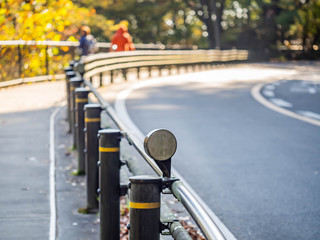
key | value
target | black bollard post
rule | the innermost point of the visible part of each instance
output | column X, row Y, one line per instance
column 81, row 95
column 92, row 126
column 145, row 208
column 75, row 82
column 109, row 183
column 69, row 74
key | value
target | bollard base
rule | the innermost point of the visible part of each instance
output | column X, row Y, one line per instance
column 88, row 210
column 78, row 173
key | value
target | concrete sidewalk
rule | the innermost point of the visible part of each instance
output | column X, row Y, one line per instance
column 24, row 159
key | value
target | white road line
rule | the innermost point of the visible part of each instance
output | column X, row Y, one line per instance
column 255, row 92
column 312, row 90
column 309, row 114
column 270, row 87
column 268, row 93
column 121, row 110
column 53, row 214
column 281, row 103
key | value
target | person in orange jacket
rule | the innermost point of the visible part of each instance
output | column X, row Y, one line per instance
column 122, row 41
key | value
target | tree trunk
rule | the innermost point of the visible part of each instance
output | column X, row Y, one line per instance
column 215, row 22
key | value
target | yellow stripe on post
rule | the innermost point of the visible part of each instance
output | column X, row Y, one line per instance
column 92, row 119
column 107, row 149
column 81, row 100
column 144, row 205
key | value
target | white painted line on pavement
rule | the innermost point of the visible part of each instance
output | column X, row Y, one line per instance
column 309, row 114
column 270, row 87
column 268, row 93
column 312, row 90
column 255, row 92
column 120, row 107
column 53, row 213
column 281, row 103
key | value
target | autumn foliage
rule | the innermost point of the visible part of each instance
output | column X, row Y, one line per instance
column 53, row 20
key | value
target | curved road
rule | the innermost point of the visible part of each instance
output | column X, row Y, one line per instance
column 257, row 169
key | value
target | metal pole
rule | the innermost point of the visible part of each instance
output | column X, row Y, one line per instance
column 75, row 82
column 20, row 61
column 150, row 71
column 109, row 181
column 145, row 207
column 101, row 79
column 47, row 60
column 111, row 76
column 81, row 99
column 92, row 125
column 124, row 73
column 138, row 73
column 209, row 228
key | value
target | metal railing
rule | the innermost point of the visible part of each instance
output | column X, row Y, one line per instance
column 29, row 61
column 78, row 77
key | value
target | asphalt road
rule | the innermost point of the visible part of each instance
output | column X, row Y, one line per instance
column 256, row 168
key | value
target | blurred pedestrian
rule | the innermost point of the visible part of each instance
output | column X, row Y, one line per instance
column 122, row 41
column 87, row 42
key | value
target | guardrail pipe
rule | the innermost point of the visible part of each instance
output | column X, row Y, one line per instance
column 109, row 182
column 196, row 210
column 75, row 82
column 145, row 207
column 92, row 126
column 81, row 100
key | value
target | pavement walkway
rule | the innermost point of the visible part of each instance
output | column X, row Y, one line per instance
column 24, row 159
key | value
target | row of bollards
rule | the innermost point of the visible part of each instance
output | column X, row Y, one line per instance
column 99, row 159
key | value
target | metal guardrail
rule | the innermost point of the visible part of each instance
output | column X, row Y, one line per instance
column 22, row 56
column 95, row 64
column 99, row 63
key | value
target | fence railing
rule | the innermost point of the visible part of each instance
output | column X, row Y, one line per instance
column 157, row 149
column 21, row 60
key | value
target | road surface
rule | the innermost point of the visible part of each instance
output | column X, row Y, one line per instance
column 253, row 160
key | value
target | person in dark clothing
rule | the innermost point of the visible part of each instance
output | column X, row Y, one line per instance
column 87, row 42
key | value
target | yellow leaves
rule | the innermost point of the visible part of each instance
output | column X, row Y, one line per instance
column 40, row 20
column 55, row 51
column 50, row 35
column 3, row 11
column 62, row 12
column 60, row 27
column 2, row 19
column 65, row 49
column 72, row 38
column 57, row 37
